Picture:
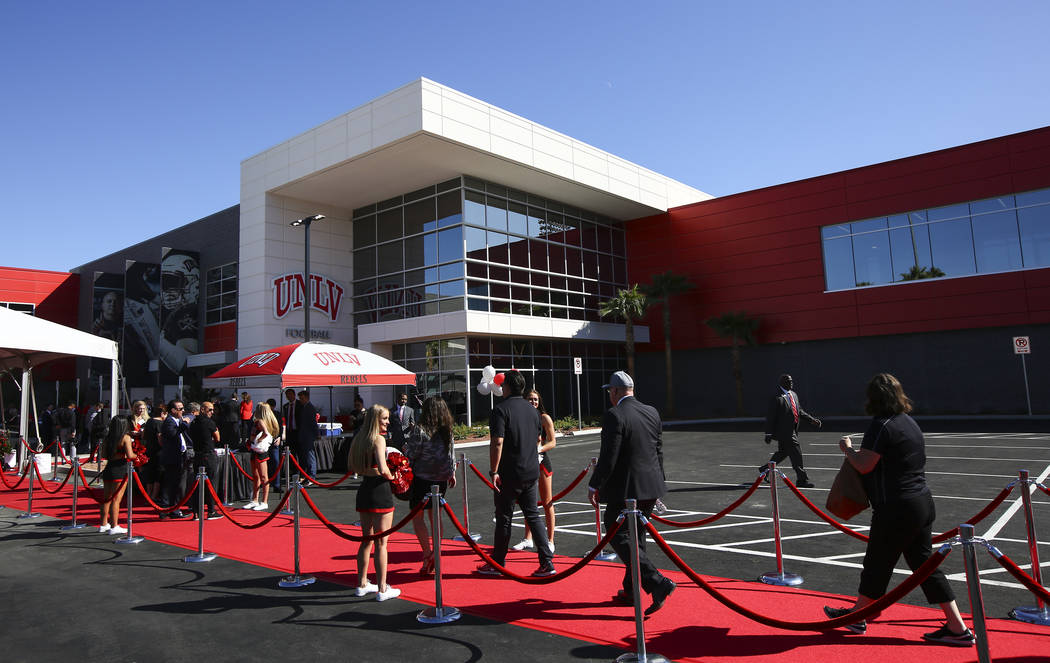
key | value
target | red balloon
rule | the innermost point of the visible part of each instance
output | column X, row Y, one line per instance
column 498, row 378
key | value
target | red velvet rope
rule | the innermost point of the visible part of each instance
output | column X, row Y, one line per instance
column 165, row 509
column 3, row 477
column 237, row 464
column 894, row 595
column 322, row 484
column 262, row 523
column 944, row 536
column 60, row 486
column 88, row 488
column 711, row 519
column 1043, row 488
column 1022, row 577
column 824, row 516
column 32, row 451
column 369, row 537
column 482, row 477
column 568, row 489
column 529, row 580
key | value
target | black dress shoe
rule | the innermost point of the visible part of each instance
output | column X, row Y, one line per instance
column 623, row 597
column 660, row 595
column 805, row 484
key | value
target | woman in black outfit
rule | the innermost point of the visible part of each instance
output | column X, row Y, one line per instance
column 892, row 460
column 429, row 447
column 117, row 451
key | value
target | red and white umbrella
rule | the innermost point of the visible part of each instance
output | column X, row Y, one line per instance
column 311, row 365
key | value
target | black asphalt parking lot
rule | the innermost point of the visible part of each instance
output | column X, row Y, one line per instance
column 78, row 595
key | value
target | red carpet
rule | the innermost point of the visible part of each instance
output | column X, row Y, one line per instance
column 692, row 626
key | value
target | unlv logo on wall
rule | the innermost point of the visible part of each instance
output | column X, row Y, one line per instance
column 289, row 293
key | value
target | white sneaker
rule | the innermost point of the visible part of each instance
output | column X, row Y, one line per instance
column 118, row 530
column 250, row 505
column 367, row 589
column 390, row 593
column 104, row 528
column 524, row 544
column 262, row 506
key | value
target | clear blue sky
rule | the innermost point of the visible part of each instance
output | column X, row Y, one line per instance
column 121, row 120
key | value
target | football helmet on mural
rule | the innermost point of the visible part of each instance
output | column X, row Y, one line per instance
column 180, row 281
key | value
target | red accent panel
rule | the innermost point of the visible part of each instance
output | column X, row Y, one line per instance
column 220, row 337
column 56, row 297
column 760, row 251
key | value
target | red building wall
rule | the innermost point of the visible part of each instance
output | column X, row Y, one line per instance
column 760, row 251
column 55, row 295
column 220, row 337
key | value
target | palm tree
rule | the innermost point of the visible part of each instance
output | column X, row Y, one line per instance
column 628, row 305
column 660, row 291
column 738, row 327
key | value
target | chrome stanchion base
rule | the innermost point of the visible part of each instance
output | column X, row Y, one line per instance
column 28, row 514
column 203, row 557
column 69, row 527
column 474, row 536
column 129, row 539
column 783, row 580
column 633, row 657
column 605, row 556
column 1032, row 615
column 296, row 581
column 436, row 615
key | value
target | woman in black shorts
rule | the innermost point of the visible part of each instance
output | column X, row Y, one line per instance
column 429, row 447
column 375, row 501
column 263, row 435
column 117, row 451
column 545, row 443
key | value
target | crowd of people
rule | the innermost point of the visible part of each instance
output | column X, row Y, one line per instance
column 891, row 460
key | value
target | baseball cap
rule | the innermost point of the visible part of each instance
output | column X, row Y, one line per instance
column 620, row 379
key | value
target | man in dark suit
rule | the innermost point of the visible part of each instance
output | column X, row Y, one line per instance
column 289, row 418
column 631, row 466
column 204, row 433
column 402, row 418
column 173, row 436
column 307, row 433
column 515, row 471
column 785, row 410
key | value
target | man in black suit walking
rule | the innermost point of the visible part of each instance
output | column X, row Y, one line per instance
column 631, row 466
column 785, row 410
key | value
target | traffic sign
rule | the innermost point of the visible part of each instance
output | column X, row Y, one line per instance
column 1022, row 345
column 577, row 365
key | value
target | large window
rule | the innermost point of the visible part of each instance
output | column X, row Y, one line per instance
column 468, row 243
column 1000, row 234
column 220, row 304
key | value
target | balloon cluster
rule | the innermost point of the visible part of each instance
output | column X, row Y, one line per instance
column 491, row 382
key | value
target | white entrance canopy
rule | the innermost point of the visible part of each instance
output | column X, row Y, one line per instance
column 27, row 341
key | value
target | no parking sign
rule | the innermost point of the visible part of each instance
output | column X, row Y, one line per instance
column 1022, row 345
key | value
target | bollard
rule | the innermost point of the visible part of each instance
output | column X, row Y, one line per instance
column 75, row 469
column 287, row 511
column 1039, row 613
column 56, row 456
column 296, row 580
column 605, row 555
column 439, row 614
column 640, row 656
column 466, row 504
column 201, row 556
column 31, row 462
column 130, row 538
column 778, row 577
column 226, row 476
column 973, row 586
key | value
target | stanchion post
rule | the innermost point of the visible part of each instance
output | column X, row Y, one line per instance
column 605, row 555
column 778, row 577
column 466, row 504
column 296, row 580
column 440, row 613
column 639, row 656
column 973, row 586
column 287, row 511
column 75, row 469
column 31, row 461
column 56, row 456
column 1039, row 613
column 201, row 556
column 130, row 538
column 226, row 476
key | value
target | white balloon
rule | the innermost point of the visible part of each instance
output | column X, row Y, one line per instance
column 483, row 388
column 495, row 389
column 488, row 373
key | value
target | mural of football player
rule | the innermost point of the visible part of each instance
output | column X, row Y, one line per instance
column 180, row 286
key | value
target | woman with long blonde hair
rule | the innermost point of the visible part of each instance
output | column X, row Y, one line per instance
column 263, row 435
column 375, row 501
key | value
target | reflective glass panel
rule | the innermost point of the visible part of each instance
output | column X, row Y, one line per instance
column 389, row 226
column 419, row 216
column 871, row 256
column 448, row 210
column 474, row 209
column 838, row 263
column 364, row 232
column 949, row 212
column 910, row 246
column 951, row 244
column 840, row 230
column 453, row 270
column 475, row 239
column 390, row 258
column 496, row 213
column 517, row 221
column 537, row 221
column 450, row 244
column 430, row 249
column 414, row 252
column 498, row 252
column 1034, row 223
column 364, row 263
column 995, row 242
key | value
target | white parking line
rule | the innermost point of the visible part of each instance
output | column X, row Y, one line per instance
column 998, row 525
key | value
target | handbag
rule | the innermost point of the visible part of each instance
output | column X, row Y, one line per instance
column 847, row 496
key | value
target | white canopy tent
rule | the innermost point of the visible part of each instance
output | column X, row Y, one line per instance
column 27, row 341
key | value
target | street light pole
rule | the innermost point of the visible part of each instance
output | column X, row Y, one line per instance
column 306, row 221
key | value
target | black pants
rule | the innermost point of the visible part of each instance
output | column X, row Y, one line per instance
column 210, row 462
column 904, row 527
column 650, row 575
column 524, row 494
column 793, row 450
column 171, row 484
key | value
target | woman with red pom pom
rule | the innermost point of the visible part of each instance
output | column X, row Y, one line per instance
column 117, row 450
